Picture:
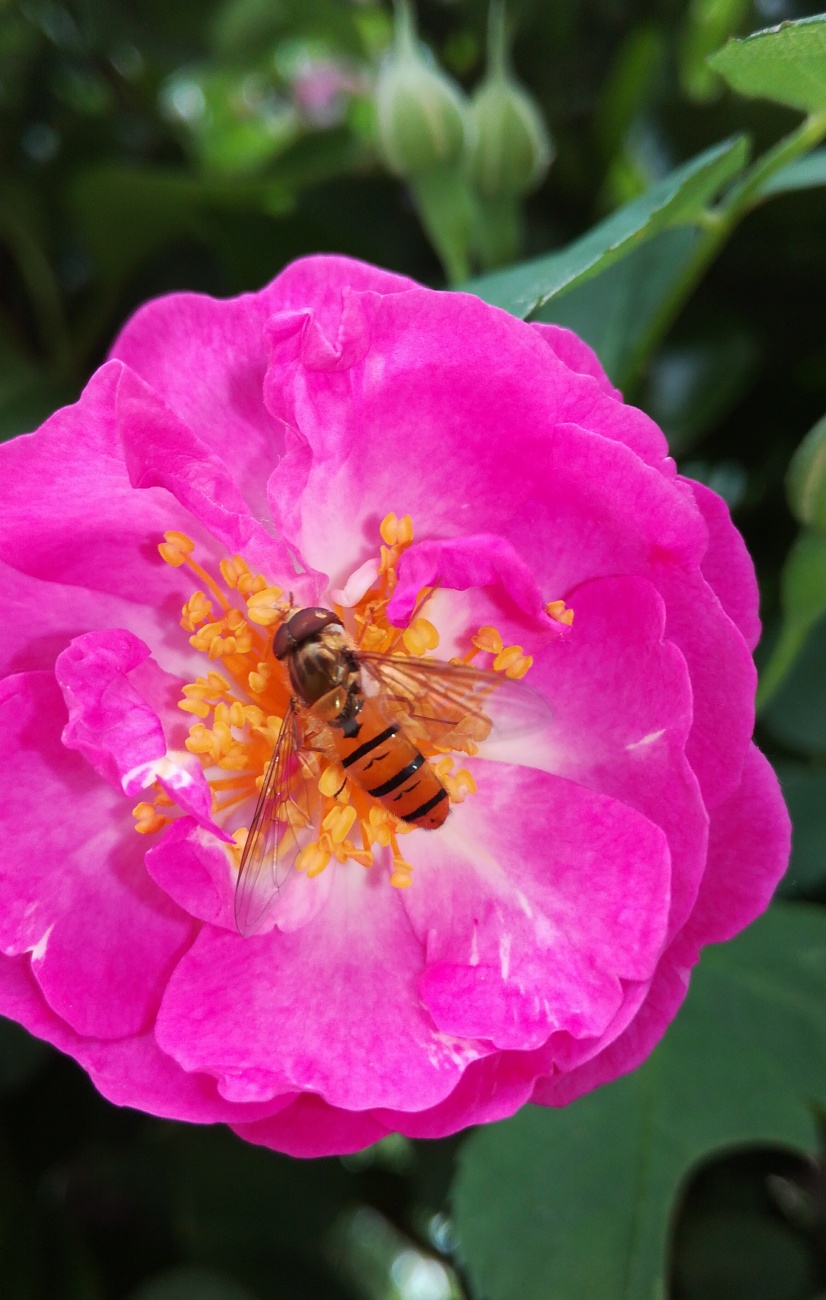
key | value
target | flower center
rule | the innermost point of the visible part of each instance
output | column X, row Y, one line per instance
column 240, row 701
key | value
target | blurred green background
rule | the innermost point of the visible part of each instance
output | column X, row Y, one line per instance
column 153, row 145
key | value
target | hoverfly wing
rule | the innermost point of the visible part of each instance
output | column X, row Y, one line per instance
column 283, row 823
column 453, row 705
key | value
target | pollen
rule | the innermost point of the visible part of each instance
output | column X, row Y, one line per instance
column 147, row 818
column 236, row 708
column 395, row 531
column 420, row 637
column 559, row 611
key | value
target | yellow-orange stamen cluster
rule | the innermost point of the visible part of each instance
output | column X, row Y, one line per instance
column 238, row 710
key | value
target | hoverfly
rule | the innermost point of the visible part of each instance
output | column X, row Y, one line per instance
column 368, row 712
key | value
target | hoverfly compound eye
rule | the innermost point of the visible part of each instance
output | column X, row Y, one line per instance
column 283, row 641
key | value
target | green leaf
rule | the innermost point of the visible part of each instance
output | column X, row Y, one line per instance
column 445, row 207
column 804, row 789
column 802, row 174
column 574, row 1204
column 785, row 63
column 616, row 312
column 677, row 200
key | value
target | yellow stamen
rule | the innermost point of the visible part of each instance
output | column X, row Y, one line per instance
column 559, row 611
column 488, row 640
column 395, row 531
column 175, row 547
column 420, row 637
column 332, row 781
column 266, row 607
column 512, row 661
column 312, row 859
column 238, row 712
column 147, row 819
column 196, row 610
column 338, row 822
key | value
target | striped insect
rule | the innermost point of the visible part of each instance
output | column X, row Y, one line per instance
column 369, row 714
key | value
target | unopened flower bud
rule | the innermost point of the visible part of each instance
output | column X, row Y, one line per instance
column 421, row 111
column 511, row 148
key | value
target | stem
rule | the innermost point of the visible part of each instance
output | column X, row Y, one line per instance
column 739, row 199
column 405, row 27
column 717, row 224
column 497, row 40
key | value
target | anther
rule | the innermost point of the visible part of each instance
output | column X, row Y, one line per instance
column 512, row 661
column 395, row 531
column 559, row 611
column 175, row 548
column 148, row 819
column 488, row 640
column 312, row 859
column 266, row 607
column 420, row 637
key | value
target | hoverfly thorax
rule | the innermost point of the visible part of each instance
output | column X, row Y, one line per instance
column 319, row 660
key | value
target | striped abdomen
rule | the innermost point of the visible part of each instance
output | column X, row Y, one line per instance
column 386, row 763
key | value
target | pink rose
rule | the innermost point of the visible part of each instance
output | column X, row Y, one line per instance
column 546, row 939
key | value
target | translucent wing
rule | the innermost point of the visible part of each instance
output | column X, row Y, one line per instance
column 281, row 826
column 454, row 706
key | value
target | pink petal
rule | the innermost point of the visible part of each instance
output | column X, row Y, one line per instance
column 723, row 680
column 130, row 1071
column 47, row 615
column 464, row 562
column 69, row 480
column 73, row 884
column 576, row 354
column 322, row 1009
column 533, row 902
column 622, row 702
column 106, row 678
column 748, row 853
column 664, row 999
column 404, row 411
column 490, row 1089
column 310, row 1127
column 160, row 451
column 727, row 566
column 192, row 866
column 171, row 339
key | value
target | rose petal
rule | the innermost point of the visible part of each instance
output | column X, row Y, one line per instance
column 513, row 951
column 324, row 1010
column 192, row 867
column 70, row 878
column 727, row 566
column 129, row 1072
column 106, row 678
column 310, row 1127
